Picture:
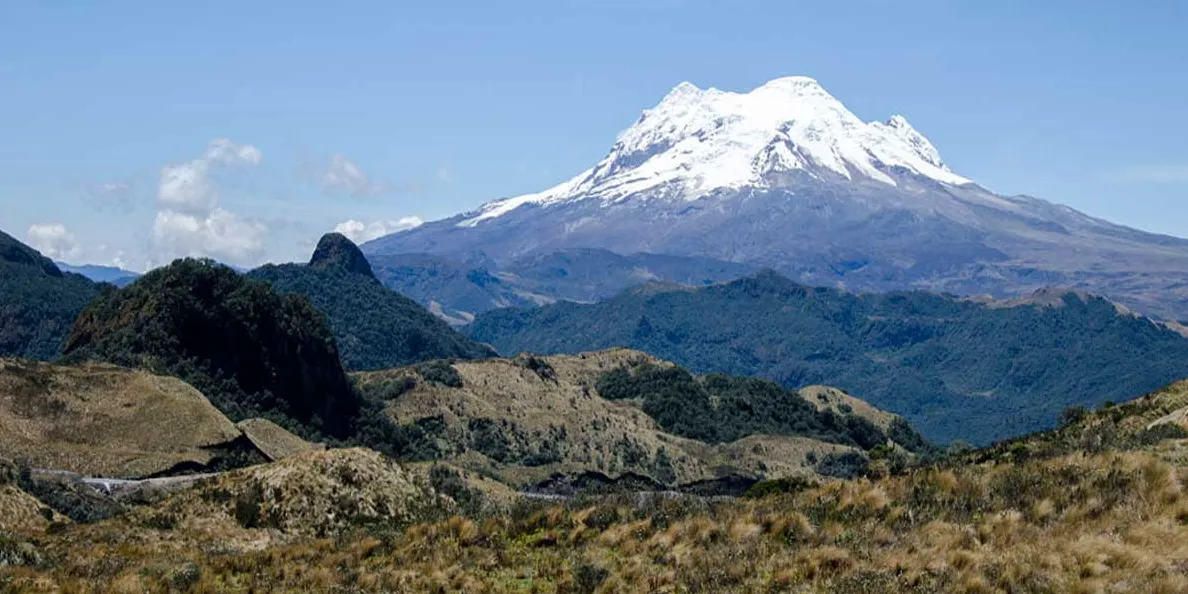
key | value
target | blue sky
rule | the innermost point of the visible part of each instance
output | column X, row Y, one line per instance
column 320, row 113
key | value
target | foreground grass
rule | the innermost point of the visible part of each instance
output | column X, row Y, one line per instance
column 1112, row 522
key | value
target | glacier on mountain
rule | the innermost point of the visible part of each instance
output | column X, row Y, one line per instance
column 697, row 141
column 785, row 177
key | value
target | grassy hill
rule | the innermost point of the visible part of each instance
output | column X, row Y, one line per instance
column 104, row 421
column 251, row 351
column 957, row 369
column 619, row 414
column 38, row 302
column 1110, row 519
column 374, row 327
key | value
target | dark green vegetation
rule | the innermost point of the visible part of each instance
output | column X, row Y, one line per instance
column 251, row 351
column 717, row 408
column 955, row 368
column 374, row 327
column 38, row 302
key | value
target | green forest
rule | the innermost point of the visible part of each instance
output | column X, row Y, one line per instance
column 374, row 326
column 717, row 408
column 38, row 302
column 251, row 351
column 955, row 368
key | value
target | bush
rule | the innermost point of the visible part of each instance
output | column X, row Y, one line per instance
column 849, row 465
column 587, row 577
column 1072, row 415
column 791, row 484
column 440, row 372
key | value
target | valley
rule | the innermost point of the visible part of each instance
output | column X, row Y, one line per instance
column 414, row 297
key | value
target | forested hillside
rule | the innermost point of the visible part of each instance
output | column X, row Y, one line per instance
column 38, row 302
column 250, row 350
column 374, row 326
column 956, row 368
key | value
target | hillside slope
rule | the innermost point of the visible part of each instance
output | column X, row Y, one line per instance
column 374, row 326
column 250, row 350
column 38, row 302
column 98, row 420
column 614, row 415
column 955, row 368
column 1016, row 518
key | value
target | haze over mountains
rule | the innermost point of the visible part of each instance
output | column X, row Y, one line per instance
column 785, row 177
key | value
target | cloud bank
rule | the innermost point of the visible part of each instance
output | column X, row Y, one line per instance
column 189, row 220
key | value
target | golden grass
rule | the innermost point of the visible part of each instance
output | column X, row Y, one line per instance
column 1102, row 523
column 274, row 441
column 589, row 432
column 103, row 420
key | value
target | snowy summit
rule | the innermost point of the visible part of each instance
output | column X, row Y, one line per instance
column 697, row 141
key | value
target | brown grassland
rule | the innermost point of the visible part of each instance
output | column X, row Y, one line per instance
column 1043, row 514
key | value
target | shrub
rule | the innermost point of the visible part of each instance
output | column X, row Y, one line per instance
column 848, row 465
column 440, row 372
column 791, row 484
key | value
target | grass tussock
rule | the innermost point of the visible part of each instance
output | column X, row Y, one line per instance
column 1079, row 523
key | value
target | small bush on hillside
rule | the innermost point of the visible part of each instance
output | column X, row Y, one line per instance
column 440, row 372
column 848, row 465
column 791, row 484
column 538, row 366
column 449, row 482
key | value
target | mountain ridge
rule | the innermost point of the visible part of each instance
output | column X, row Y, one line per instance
column 374, row 326
column 795, row 182
column 38, row 301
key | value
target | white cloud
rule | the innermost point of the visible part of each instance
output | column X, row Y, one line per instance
column 444, row 175
column 220, row 234
column 54, row 241
column 360, row 232
column 1152, row 174
column 225, row 152
column 344, row 174
column 189, row 220
column 187, row 187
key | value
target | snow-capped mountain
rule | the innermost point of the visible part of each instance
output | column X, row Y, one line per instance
column 695, row 142
column 785, row 176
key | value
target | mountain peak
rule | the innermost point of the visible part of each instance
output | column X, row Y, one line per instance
column 696, row 142
column 15, row 252
column 335, row 251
